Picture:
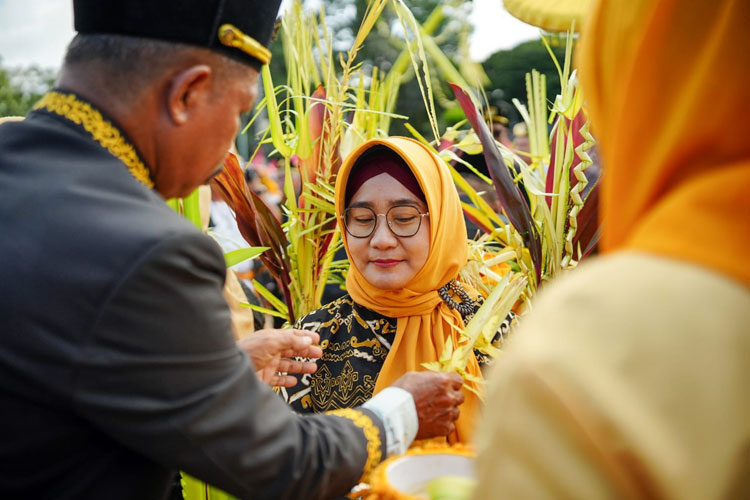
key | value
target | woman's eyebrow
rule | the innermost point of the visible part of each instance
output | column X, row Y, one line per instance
column 404, row 201
column 400, row 201
column 358, row 204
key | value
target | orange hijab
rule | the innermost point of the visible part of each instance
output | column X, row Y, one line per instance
column 668, row 89
column 424, row 321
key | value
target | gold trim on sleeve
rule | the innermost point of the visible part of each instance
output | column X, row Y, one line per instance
column 372, row 434
column 103, row 132
column 231, row 36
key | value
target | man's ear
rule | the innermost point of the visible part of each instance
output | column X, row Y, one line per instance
column 187, row 90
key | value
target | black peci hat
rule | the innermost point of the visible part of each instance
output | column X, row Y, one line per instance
column 240, row 29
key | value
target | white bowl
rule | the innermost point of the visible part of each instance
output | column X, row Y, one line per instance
column 411, row 473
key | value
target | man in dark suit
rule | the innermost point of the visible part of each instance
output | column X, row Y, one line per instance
column 117, row 362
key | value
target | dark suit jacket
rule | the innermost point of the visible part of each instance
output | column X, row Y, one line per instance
column 117, row 363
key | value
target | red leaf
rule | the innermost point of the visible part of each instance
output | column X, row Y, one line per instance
column 316, row 115
column 589, row 229
column 515, row 205
column 256, row 223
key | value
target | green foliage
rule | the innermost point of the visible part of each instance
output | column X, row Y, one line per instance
column 21, row 88
column 242, row 254
column 507, row 68
column 195, row 489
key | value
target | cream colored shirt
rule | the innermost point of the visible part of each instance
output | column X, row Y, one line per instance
column 630, row 378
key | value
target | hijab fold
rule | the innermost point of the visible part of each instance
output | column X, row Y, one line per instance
column 424, row 321
column 677, row 177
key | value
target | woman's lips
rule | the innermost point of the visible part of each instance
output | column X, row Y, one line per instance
column 385, row 263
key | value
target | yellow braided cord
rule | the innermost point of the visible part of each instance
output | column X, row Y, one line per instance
column 106, row 134
column 372, row 434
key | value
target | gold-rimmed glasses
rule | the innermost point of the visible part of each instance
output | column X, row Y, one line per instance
column 403, row 220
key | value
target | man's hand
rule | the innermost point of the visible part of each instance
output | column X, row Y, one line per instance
column 271, row 351
column 436, row 396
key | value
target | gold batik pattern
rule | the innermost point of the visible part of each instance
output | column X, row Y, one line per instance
column 355, row 343
column 100, row 129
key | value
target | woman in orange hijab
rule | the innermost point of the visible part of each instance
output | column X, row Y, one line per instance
column 629, row 379
column 404, row 234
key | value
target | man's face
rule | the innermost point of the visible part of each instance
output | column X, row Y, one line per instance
column 196, row 153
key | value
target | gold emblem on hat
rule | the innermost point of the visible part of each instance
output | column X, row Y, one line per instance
column 231, row 36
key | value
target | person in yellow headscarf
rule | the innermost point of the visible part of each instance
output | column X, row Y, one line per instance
column 405, row 237
column 629, row 379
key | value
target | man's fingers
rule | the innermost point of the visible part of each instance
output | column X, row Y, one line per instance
column 305, row 333
column 294, row 366
column 451, row 428
column 449, row 412
column 284, row 381
column 277, row 379
column 459, row 397
column 301, row 343
column 288, row 338
column 455, row 380
column 312, row 352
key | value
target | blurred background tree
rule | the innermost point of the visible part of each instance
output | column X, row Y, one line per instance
column 20, row 88
column 506, row 68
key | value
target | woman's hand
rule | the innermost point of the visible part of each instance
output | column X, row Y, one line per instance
column 271, row 352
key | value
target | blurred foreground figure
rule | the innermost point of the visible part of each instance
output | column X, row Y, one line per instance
column 630, row 377
column 118, row 365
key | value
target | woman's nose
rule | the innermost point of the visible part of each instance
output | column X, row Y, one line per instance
column 382, row 237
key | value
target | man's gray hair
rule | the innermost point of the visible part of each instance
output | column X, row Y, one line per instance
column 129, row 64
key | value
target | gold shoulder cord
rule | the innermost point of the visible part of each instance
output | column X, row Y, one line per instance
column 372, row 434
column 106, row 134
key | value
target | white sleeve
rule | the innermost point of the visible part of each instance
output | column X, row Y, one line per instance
column 395, row 408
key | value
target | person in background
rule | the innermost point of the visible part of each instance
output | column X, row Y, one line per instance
column 520, row 143
column 629, row 379
column 118, row 365
column 260, row 181
column 500, row 130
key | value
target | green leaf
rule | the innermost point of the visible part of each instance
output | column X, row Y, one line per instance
column 263, row 310
column 174, row 204
column 242, row 254
column 192, row 210
column 270, row 297
column 274, row 117
column 195, row 489
column 192, row 488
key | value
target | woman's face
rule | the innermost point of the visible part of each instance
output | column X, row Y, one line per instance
column 388, row 261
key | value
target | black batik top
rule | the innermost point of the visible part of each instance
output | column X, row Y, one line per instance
column 355, row 343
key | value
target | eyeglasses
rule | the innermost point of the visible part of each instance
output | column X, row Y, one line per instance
column 403, row 220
